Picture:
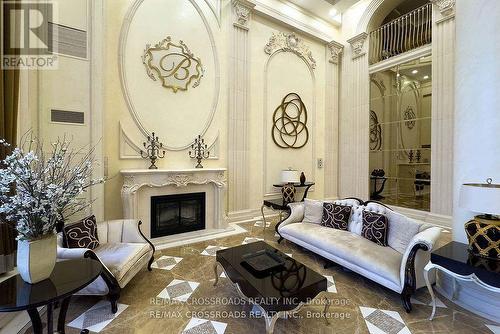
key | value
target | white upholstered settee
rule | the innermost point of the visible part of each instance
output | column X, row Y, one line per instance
column 123, row 251
column 398, row 266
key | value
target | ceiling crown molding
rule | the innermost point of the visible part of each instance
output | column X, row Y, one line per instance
column 335, row 51
column 446, row 7
column 290, row 43
column 242, row 11
column 358, row 45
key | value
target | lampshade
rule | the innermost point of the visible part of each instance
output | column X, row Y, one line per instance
column 481, row 197
column 290, row 176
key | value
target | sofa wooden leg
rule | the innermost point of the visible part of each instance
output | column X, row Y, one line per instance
column 151, row 260
column 328, row 264
column 113, row 299
column 405, row 298
column 280, row 239
column 114, row 295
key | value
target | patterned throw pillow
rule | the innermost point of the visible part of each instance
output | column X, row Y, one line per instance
column 82, row 234
column 375, row 227
column 336, row 216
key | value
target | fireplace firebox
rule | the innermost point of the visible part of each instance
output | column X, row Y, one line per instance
column 174, row 214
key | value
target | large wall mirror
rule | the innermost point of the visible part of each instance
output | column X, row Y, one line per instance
column 400, row 135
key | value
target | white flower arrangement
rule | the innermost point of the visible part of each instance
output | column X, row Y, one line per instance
column 39, row 189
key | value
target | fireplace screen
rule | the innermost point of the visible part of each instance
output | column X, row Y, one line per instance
column 173, row 214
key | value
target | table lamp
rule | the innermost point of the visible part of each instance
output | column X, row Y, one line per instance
column 483, row 232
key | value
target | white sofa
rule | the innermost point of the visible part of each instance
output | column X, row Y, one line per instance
column 123, row 251
column 398, row 266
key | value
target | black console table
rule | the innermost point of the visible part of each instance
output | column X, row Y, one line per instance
column 455, row 260
column 378, row 187
column 67, row 278
column 279, row 204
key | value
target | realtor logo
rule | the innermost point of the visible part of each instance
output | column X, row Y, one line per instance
column 26, row 35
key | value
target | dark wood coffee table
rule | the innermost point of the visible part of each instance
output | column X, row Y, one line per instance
column 276, row 294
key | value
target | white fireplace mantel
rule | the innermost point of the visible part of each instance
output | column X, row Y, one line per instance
column 136, row 179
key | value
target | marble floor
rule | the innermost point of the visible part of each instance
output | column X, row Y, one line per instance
column 178, row 296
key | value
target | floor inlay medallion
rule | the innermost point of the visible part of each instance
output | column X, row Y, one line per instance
column 204, row 326
column 211, row 250
column 166, row 262
column 249, row 240
column 97, row 317
column 330, row 284
column 178, row 290
column 383, row 321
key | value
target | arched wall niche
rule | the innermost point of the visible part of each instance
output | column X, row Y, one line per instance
column 375, row 14
column 279, row 60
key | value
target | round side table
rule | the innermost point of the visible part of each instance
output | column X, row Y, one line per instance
column 67, row 278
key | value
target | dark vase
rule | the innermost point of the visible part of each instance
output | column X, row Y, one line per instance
column 302, row 178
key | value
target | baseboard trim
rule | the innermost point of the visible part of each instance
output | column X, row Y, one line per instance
column 245, row 216
column 232, row 229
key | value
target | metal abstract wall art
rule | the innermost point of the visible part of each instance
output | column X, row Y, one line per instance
column 173, row 64
column 290, row 123
column 375, row 132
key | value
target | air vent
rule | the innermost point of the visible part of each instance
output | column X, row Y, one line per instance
column 67, row 41
column 63, row 116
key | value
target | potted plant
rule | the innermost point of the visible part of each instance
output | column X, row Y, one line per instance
column 38, row 189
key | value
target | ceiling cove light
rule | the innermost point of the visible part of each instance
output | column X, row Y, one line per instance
column 426, row 77
column 414, row 71
column 333, row 13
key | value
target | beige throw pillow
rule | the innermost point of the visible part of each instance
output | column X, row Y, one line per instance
column 313, row 211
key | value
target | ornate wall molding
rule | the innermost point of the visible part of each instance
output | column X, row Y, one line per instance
column 446, row 8
column 335, row 52
column 358, row 45
column 124, row 80
column 215, row 8
column 290, row 43
column 242, row 11
column 128, row 149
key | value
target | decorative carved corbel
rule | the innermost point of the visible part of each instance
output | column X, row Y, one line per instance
column 242, row 10
column 446, row 7
column 358, row 45
column 335, row 52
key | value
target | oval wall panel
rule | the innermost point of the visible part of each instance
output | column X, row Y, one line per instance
column 177, row 117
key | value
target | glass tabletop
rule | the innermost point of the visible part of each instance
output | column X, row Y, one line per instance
column 296, row 184
column 67, row 278
column 279, row 290
column 455, row 257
